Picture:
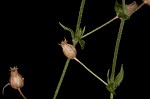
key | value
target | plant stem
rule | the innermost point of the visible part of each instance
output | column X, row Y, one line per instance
column 21, row 93
column 100, row 26
column 116, row 49
column 111, row 95
column 68, row 60
column 116, row 53
column 80, row 16
column 61, row 78
column 112, row 77
column 117, row 43
column 91, row 72
column 77, row 32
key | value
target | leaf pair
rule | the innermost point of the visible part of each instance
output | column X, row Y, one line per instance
column 76, row 37
column 112, row 85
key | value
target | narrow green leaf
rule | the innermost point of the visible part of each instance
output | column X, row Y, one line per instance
column 118, row 7
column 108, row 81
column 119, row 77
column 82, row 44
column 121, row 10
column 83, row 30
column 68, row 29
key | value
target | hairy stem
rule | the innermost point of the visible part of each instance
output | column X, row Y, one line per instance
column 61, row 78
column 112, row 77
column 68, row 60
column 80, row 16
column 116, row 49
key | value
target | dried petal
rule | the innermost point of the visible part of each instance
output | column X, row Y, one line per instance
column 68, row 49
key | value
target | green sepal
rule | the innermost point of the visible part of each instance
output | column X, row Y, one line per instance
column 108, row 79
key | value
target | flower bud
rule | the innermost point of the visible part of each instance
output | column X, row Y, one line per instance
column 131, row 8
column 147, row 2
column 68, row 49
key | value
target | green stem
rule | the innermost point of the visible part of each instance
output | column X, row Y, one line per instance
column 80, row 16
column 111, row 95
column 68, row 60
column 91, row 72
column 116, row 49
column 61, row 78
column 112, row 78
column 100, row 26
column 77, row 32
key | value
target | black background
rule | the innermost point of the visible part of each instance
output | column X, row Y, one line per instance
column 29, row 37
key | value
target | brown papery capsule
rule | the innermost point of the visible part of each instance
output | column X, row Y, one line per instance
column 70, row 52
column 131, row 8
column 16, row 81
column 147, row 2
column 68, row 49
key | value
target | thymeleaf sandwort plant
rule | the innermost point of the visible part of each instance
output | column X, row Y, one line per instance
column 123, row 12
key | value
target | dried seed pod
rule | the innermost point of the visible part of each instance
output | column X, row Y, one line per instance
column 131, row 8
column 16, row 81
column 70, row 52
column 68, row 49
column 147, row 2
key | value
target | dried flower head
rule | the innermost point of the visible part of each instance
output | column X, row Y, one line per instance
column 68, row 49
column 147, row 2
column 16, row 81
column 131, row 8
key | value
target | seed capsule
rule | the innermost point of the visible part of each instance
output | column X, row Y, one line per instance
column 146, row 2
column 68, row 49
column 131, row 8
column 16, row 81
